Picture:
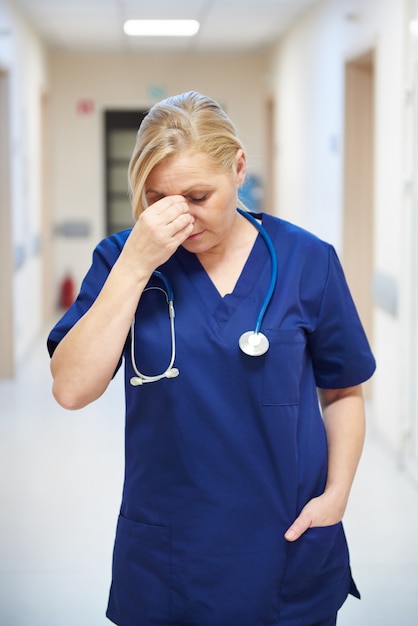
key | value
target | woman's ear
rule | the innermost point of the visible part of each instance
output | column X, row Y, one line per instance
column 241, row 167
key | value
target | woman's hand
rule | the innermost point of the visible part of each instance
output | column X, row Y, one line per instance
column 343, row 415
column 157, row 234
column 325, row 510
column 85, row 359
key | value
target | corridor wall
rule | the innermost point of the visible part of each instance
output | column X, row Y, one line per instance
column 23, row 60
column 307, row 69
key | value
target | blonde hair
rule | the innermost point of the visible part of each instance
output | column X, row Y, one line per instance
column 188, row 121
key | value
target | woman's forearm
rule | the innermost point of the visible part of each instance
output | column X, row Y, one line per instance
column 343, row 414
column 86, row 358
column 344, row 419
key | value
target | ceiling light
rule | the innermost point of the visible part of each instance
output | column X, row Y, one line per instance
column 161, row 28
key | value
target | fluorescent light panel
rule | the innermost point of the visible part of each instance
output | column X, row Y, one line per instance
column 161, row 28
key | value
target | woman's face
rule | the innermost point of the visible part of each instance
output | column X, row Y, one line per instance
column 210, row 192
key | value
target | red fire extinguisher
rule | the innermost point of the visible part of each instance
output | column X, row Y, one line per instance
column 67, row 295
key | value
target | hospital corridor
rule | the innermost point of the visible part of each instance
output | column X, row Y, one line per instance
column 324, row 97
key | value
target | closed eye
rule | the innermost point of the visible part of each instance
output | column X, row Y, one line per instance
column 199, row 199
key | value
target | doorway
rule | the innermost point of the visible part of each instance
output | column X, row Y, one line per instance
column 121, row 128
column 7, row 365
column 358, row 220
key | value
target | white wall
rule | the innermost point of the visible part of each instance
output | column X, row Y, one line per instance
column 308, row 78
column 127, row 81
column 22, row 56
column 308, row 89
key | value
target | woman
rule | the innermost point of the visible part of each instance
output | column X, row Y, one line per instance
column 236, row 482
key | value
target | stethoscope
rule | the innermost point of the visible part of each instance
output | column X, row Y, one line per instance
column 252, row 342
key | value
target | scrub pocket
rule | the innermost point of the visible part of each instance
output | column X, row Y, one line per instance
column 140, row 591
column 283, row 366
column 317, row 571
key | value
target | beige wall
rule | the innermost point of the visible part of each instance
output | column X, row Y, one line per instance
column 127, row 81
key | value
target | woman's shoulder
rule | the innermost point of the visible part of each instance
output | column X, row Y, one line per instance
column 111, row 246
column 290, row 229
column 293, row 239
column 115, row 239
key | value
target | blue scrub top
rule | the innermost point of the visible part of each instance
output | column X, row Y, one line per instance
column 221, row 459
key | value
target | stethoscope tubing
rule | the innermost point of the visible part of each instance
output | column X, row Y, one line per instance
column 252, row 343
column 167, row 285
column 170, row 372
column 274, row 267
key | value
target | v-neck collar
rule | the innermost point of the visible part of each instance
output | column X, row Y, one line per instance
column 257, row 263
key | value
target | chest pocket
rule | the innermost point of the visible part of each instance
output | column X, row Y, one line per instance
column 283, row 366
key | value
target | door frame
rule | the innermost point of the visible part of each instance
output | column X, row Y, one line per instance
column 359, row 167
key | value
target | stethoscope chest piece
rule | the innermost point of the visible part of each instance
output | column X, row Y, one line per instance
column 253, row 343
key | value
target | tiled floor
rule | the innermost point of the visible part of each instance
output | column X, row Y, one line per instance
column 61, row 477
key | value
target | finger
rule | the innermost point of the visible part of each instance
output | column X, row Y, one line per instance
column 181, row 227
column 165, row 213
column 181, row 235
column 299, row 526
column 169, row 207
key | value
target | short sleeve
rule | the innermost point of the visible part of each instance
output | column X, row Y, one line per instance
column 338, row 345
column 104, row 257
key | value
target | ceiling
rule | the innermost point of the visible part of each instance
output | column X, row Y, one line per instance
column 226, row 25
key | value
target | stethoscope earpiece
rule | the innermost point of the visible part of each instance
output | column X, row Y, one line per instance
column 137, row 381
